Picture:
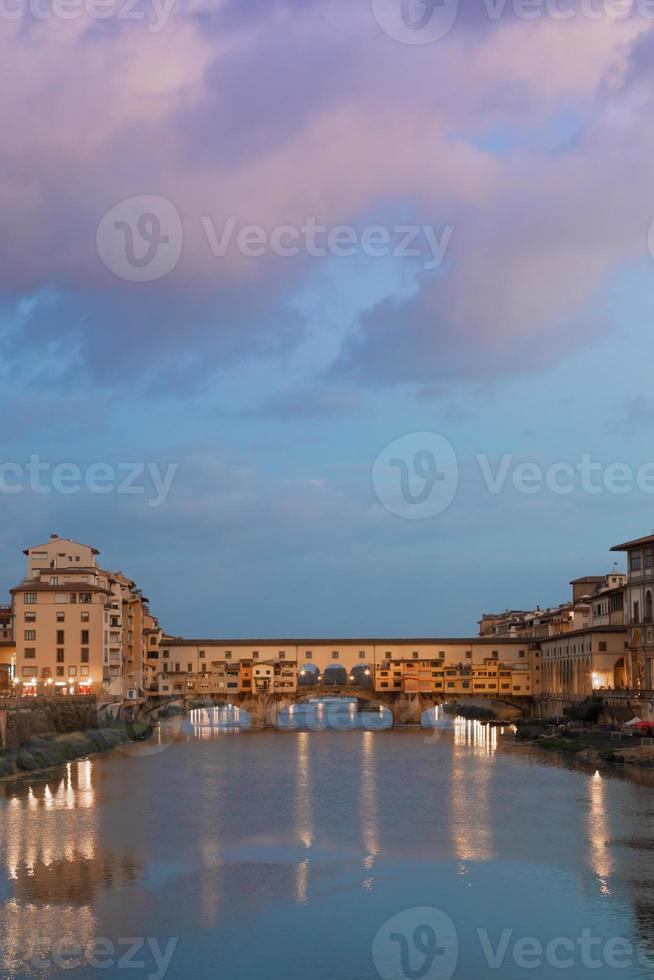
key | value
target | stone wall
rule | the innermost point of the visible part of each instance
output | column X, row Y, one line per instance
column 22, row 719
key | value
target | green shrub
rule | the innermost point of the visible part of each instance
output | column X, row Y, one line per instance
column 588, row 711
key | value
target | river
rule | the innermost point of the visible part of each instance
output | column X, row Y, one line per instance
column 318, row 854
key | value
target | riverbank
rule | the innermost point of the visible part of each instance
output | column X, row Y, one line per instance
column 46, row 751
column 595, row 748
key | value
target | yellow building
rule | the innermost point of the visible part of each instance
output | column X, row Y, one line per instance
column 576, row 664
column 78, row 628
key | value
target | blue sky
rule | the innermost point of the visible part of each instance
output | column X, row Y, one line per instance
column 272, row 384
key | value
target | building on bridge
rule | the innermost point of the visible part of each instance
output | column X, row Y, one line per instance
column 449, row 666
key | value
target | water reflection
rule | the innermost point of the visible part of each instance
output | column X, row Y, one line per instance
column 369, row 806
column 333, row 714
column 471, row 818
column 303, row 813
column 54, row 865
column 302, row 833
column 205, row 723
column 598, row 833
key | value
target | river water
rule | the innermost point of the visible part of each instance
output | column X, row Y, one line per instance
column 319, row 854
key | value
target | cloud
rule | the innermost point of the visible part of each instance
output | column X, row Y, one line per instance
column 293, row 110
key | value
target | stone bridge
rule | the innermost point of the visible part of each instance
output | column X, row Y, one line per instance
column 264, row 707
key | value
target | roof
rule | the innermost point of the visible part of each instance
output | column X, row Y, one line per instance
column 30, row 586
column 649, row 539
column 179, row 641
column 583, row 632
column 588, row 578
column 52, row 540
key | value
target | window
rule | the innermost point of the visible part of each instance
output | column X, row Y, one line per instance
column 228, row 654
column 649, row 559
column 54, row 580
column 189, row 668
column 30, row 671
column 202, row 654
column 255, row 655
column 334, row 654
column 30, row 598
column 60, row 637
column 84, row 671
column 60, row 656
column 85, row 637
column 60, row 671
column 282, row 654
column 61, row 617
column 635, row 563
column 30, row 653
column 30, row 634
column 603, row 646
column 72, row 671
column 85, row 597
column 85, row 617
column 85, row 655
column 60, row 598
column 387, row 655
column 30, row 617
column 415, row 654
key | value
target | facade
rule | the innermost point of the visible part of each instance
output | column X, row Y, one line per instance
column 639, row 608
column 493, row 677
column 78, row 628
column 454, row 666
column 578, row 663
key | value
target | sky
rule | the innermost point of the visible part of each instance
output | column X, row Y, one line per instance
column 329, row 317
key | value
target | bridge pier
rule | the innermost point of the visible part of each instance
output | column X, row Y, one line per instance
column 407, row 711
column 263, row 710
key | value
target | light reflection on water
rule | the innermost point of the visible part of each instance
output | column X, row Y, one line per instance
column 304, row 832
